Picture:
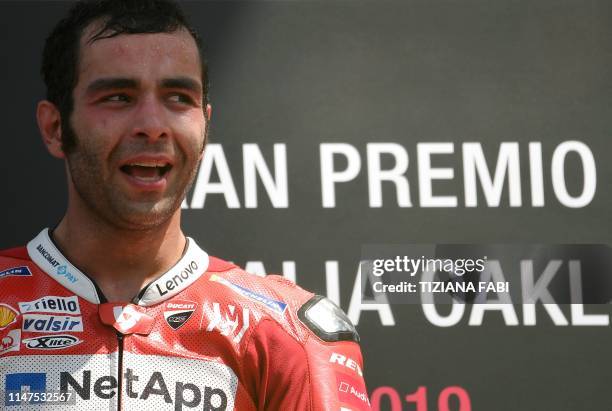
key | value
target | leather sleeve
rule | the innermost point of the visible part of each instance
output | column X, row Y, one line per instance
column 312, row 375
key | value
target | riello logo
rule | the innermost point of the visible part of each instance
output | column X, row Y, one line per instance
column 52, row 304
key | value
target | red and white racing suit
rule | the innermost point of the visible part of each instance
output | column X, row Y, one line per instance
column 205, row 335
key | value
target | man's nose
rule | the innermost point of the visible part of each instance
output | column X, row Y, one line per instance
column 150, row 120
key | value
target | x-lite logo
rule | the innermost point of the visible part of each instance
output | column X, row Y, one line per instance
column 51, row 342
column 228, row 322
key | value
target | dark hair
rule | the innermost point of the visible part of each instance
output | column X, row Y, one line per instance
column 61, row 52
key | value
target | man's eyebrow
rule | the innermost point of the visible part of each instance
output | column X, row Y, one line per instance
column 182, row 83
column 111, row 83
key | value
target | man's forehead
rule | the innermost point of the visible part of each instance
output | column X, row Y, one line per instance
column 177, row 49
column 93, row 38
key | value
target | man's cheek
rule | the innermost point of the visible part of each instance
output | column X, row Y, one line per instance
column 194, row 146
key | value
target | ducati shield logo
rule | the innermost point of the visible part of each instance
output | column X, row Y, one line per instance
column 51, row 342
column 178, row 312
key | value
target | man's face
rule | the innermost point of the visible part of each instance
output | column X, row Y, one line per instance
column 139, row 126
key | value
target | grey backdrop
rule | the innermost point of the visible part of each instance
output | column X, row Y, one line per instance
column 359, row 72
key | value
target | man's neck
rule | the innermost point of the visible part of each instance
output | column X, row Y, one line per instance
column 120, row 261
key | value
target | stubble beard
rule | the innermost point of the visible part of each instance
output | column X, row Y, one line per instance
column 108, row 203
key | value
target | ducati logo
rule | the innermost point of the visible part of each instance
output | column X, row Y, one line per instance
column 177, row 312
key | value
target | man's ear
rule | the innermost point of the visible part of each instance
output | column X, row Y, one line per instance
column 50, row 126
column 208, row 113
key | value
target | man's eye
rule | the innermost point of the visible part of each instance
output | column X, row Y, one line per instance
column 117, row 98
column 180, row 98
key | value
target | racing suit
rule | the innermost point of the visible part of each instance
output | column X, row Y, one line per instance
column 204, row 335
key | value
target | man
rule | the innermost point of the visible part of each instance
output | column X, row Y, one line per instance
column 115, row 308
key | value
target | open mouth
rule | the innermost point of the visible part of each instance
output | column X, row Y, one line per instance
column 146, row 172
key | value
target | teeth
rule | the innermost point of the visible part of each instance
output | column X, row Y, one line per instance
column 152, row 164
column 148, row 179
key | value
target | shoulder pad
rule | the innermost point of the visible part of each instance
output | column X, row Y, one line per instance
column 327, row 320
column 216, row 264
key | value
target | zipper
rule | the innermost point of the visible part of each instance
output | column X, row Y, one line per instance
column 120, row 370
